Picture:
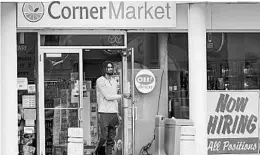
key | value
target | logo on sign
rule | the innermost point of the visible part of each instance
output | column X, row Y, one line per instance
column 145, row 81
column 33, row 12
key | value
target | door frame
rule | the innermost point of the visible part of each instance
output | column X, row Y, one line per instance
column 41, row 122
column 41, row 108
column 65, row 49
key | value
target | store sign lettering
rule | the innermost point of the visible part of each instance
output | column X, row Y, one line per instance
column 104, row 14
column 145, row 81
column 234, row 145
column 121, row 12
column 233, row 122
column 228, row 124
column 21, row 48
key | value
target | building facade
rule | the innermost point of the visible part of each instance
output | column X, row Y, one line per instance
column 54, row 51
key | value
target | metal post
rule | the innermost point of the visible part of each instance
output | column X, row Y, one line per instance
column 133, row 101
column 125, row 105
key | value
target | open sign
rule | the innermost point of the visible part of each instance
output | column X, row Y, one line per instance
column 145, row 81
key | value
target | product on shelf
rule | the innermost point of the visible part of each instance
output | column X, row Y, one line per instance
column 178, row 94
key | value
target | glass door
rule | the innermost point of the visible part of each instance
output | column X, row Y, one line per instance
column 128, row 106
column 60, row 97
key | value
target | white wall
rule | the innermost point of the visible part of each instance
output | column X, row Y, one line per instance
column 9, row 126
column 235, row 16
column 224, row 16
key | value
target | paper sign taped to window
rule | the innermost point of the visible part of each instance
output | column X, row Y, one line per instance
column 22, row 83
column 29, row 101
column 29, row 122
column 30, row 114
column 28, row 129
column 31, row 88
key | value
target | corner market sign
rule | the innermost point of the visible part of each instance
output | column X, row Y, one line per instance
column 121, row 15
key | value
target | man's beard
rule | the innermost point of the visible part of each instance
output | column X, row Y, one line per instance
column 109, row 73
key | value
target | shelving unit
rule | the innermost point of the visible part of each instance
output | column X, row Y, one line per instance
column 178, row 94
column 61, row 112
column 233, row 75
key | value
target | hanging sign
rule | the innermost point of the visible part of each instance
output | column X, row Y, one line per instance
column 233, row 122
column 104, row 14
column 145, row 81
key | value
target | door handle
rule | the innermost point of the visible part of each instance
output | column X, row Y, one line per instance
column 80, row 114
column 135, row 112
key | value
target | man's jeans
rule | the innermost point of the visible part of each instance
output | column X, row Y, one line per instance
column 107, row 126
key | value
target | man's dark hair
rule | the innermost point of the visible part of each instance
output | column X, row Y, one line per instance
column 104, row 66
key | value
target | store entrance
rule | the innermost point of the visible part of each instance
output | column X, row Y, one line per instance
column 92, row 69
column 67, row 82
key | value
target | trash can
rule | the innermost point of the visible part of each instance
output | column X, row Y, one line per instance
column 159, row 135
column 179, row 134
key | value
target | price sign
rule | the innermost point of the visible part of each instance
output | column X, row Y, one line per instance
column 29, row 101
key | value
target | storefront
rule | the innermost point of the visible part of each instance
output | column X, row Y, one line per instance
column 60, row 48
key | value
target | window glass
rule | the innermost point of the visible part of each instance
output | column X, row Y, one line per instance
column 233, row 61
column 178, row 93
column 146, row 49
column 82, row 40
column 27, row 51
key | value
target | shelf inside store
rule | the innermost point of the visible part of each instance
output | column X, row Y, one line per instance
column 171, row 96
column 250, row 75
column 176, row 91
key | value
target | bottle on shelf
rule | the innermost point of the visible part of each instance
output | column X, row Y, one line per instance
column 175, row 85
column 170, row 84
column 209, row 83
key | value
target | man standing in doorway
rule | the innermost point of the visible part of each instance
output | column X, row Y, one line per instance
column 108, row 116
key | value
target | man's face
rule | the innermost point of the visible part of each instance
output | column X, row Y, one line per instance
column 110, row 69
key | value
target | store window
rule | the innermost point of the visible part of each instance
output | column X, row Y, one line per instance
column 83, row 40
column 233, row 61
column 146, row 49
column 27, row 50
column 178, row 93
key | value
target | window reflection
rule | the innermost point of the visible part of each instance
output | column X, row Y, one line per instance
column 82, row 40
column 178, row 75
column 146, row 49
column 233, row 61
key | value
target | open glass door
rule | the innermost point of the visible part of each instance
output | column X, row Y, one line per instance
column 60, row 78
column 128, row 106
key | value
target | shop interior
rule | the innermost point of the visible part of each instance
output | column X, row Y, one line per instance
column 92, row 69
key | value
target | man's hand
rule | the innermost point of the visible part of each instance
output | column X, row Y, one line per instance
column 119, row 118
column 127, row 96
